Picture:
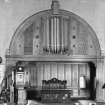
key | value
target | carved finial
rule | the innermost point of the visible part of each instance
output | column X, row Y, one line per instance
column 55, row 6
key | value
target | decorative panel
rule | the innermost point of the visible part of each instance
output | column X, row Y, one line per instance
column 61, row 71
column 36, row 37
column 40, row 75
column 74, row 35
column 82, row 41
column 28, row 40
column 53, row 70
column 68, row 74
column 33, row 75
column 84, row 70
column 75, row 75
column 47, row 71
column 91, row 47
column 67, row 71
column 20, row 45
column 45, row 33
column 55, row 32
column 13, row 49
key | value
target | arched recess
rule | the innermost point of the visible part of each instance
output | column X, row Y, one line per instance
column 54, row 32
column 82, row 38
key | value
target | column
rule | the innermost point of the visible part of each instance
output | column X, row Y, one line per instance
column 99, row 81
column 21, row 96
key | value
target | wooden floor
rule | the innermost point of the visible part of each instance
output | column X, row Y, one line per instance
column 101, row 103
column 69, row 104
column 72, row 103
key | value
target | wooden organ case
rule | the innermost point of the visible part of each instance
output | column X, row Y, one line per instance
column 55, row 44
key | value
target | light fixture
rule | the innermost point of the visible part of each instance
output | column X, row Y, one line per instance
column 20, row 69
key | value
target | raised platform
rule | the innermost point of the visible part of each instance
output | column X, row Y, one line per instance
column 71, row 103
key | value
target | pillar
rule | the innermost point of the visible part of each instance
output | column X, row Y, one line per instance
column 21, row 96
column 100, row 75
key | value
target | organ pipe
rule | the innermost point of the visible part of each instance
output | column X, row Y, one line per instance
column 55, row 33
column 62, row 36
column 44, row 34
column 52, row 34
column 58, row 41
column 47, row 34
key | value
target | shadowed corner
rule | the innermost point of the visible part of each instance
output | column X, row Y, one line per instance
column 103, row 87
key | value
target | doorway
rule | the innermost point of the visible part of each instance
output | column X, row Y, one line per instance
column 92, row 84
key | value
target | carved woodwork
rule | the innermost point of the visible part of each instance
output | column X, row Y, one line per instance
column 54, row 90
column 49, row 76
column 54, row 83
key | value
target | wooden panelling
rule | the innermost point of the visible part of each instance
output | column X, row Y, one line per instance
column 53, row 70
column 82, row 40
column 51, row 34
column 87, row 71
column 62, row 71
column 40, row 75
column 33, row 74
column 84, row 93
column 73, row 35
column 47, row 70
column 75, row 75
column 45, row 31
column 99, row 78
column 68, row 74
column 82, row 69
